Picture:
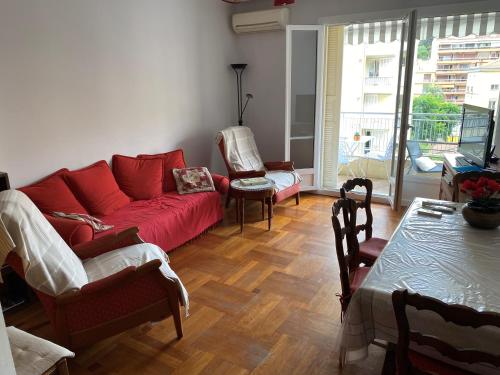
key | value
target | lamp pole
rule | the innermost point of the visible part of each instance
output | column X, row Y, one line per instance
column 238, row 69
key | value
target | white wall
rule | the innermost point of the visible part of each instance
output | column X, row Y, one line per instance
column 265, row 54
column 82, row 80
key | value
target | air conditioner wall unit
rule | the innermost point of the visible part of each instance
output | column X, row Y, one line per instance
column 263, row 20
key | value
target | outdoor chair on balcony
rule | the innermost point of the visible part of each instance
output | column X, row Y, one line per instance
column 382, row 157
column 344, row 160
column 419, row 162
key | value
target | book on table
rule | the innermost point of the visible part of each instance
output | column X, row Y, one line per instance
column 255, row 181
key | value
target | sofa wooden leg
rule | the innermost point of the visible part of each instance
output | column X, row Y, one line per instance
column 62, row 367
column 297, row 199
column 173, row 301
column 178, row 324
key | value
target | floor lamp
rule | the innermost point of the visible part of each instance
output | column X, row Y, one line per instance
column 238, row 69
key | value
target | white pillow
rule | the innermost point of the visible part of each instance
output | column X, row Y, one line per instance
column 424, row 163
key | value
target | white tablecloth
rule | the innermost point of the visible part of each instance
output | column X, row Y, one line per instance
column 443, row 258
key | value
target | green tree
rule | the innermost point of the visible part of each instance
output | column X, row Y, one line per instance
column 433, row 117
column 424, row 49
column 423, row 52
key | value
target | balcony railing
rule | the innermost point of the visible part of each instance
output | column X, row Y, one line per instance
column 437, row 133
column 444, row 80
column 462, row 47
column 379, row 81
column 454, row 68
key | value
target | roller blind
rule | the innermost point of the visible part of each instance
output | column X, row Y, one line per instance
column 333, row 87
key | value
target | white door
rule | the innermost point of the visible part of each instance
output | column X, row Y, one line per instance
column 304, row 86
column 402, row 113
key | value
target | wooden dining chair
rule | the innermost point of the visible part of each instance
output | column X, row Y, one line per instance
column 351, row 274
column 409, row 362
column 371, row 247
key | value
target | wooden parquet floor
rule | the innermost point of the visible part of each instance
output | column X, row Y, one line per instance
column 262, row 302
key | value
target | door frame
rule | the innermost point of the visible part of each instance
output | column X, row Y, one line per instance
column 399, row 163
column 320, row 64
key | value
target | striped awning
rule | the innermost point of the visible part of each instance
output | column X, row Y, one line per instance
column 427, row 28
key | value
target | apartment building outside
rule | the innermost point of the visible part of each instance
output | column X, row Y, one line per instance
column 457, row 57
column 370, row 78
column 483, row 86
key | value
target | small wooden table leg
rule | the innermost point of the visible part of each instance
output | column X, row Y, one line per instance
column 269, row 212
column 237, row 208
column 263, row 209
column 242, row 214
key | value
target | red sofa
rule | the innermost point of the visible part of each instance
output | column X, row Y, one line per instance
column 163, row 216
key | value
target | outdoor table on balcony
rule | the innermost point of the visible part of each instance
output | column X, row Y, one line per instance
column 353, row 145
column 442, row 258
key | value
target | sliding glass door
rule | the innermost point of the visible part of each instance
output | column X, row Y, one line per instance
column 402, row 112
column 304, row 101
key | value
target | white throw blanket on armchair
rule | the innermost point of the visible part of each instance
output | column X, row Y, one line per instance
column 242, row 154
column 50, row 265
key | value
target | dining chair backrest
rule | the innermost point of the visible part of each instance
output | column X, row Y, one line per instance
column 457, row 314
column 365, row 204
column 414, row 152
column 348, row 261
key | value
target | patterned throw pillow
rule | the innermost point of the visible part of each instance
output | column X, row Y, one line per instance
column 193, row 180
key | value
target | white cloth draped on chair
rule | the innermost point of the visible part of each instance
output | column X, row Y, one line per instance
column 50, row 265
column 240, row 148
column 242, row 154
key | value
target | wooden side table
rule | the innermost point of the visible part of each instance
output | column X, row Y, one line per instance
column 262, row 193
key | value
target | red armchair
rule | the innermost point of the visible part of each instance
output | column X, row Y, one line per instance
column 248, row 142
column 111, row 305
column 93, row 290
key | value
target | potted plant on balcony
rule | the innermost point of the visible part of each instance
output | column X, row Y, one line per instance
column 483, row 210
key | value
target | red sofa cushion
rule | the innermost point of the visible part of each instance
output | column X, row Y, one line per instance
column 139, row 178
column 52, row 194
column 96, row 187
column 171, row 160
column 169, row 220
column 72, row 232
column 221, row 183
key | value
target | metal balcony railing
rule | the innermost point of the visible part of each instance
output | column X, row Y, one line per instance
column 379, row 81
column 462, row 47
column 440, row 80
column 437, row 133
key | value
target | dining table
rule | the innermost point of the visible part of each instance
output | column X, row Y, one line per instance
column 440, row 257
